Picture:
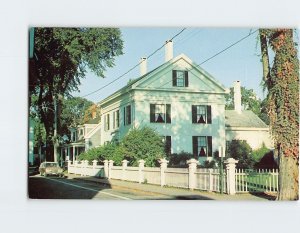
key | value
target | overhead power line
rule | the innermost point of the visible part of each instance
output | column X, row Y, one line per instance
column 150, row 55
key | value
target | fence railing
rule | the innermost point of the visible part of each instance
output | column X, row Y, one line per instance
column 232, row 180
column 262, row 180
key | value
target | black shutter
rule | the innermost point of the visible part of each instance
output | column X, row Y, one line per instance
column 129, row 114
column 168, row 145
column 186, row 78
column 209, row 145
column 195, row 147
column 168, row 115
column 108, row 121
column 174, row 78
column 208, row 114
column 194, row 114
column 124, row 111
column 152, row 112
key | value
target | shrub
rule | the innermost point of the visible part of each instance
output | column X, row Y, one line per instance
column 209, row 164
column 179, row 159
column 267, row 162
column 241, row 151
column 259, row 153
column 143, row 143
column 109, row 151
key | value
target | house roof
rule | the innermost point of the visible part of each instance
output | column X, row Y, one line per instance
column 93, row 121
column 130, row 84
column 246, row 118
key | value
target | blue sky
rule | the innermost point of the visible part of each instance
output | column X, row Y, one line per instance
column 241, row 62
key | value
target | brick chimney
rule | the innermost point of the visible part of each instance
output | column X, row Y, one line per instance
column 168, row 50
column 237, row 96
column 143, row 66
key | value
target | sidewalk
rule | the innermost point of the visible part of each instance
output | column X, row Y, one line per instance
column 177, row 193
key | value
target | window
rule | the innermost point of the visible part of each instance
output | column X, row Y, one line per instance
column 106, row 122
column 116, row 119
column 127, row 115
column 202, row 146
column 168, row 144
column 201, row 114
column 160, row 113
column 180, row 78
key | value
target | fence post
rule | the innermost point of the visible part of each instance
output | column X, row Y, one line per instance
column 230, row 169
column 192, row 169
column 69, row 165
column 124, row 166
column 105, row 169
column 211, row 183
column 94, row 167
column 110, row 165
column 141, row 171
column 163, row 166
column 76, row 170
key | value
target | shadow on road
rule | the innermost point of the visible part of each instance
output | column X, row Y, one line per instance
column 61, row 188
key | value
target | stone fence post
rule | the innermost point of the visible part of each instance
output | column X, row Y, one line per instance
column 105, row 169
column 230, row 169
column 141, row 171
column 192, row 169
column 110, row 165
column 124, row 167
column 163, row 166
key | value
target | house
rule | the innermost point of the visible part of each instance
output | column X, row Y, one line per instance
column 82, row 138
column 182, row 102
column 245, row 125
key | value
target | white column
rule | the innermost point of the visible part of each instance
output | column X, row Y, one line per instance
column 141, row 170
column 73, row 153
column 87, row 144
column 230, row 169
column 163, row 166
column 192, row 169
column 124, row 167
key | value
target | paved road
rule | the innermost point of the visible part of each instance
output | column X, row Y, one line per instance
column 60, row 188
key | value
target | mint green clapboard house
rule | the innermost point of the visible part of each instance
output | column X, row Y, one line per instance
column 184, row 104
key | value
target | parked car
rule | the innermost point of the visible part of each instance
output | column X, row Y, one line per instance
column 50, row 168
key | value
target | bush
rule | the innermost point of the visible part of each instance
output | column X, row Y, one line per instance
column 258, row 154
column 144, row 144
column 241, row 151
column 179, row 159
column 267, row 162
column 109, row 151
column 209, row 164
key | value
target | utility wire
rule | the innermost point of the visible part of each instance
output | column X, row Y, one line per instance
column 133, row 66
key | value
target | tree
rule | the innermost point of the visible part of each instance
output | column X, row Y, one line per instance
column 62, row 58
column 144, row 144
column 73, row 113
column 250, row 101
column 282, row 83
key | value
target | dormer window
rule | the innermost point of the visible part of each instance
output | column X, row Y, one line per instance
column 180, row 78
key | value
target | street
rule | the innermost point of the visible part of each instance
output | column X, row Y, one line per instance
column 40, row 187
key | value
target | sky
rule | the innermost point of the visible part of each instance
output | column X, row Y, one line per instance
column 240, row 62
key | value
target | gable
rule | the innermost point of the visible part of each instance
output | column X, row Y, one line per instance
column 162, row 79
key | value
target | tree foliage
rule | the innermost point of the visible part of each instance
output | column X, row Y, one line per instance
column 282, row 83
column 73, row 113
column 62, row 57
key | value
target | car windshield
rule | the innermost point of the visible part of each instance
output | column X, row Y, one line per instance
column 51, row 164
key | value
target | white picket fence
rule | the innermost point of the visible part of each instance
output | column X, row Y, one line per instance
column 233, row 180
column 262, row 180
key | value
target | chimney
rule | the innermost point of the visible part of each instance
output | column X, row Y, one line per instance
column 168, row 50
column 143, row 66
column 237, row 96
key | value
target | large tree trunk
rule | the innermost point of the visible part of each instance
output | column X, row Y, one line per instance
column 288, row 178
column 264, row 55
